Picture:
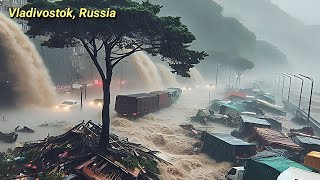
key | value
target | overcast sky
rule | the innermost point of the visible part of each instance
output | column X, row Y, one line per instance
column 305, row 10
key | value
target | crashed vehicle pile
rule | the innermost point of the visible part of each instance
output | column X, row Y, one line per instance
column 75, row 155
column 259, row 136
column 251, row 102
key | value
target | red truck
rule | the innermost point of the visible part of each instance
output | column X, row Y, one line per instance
column 137, row 105
column 163, row 98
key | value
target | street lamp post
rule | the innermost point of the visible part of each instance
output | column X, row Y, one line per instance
column 279, row 84
column 282, row 85
column 289, row 85
column 217, row 75
column 289, row 91
column 302, row 81
column 310, row 96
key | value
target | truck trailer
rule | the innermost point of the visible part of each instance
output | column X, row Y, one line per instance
column 136, row 105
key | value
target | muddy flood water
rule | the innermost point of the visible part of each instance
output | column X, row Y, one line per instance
column 158, row 131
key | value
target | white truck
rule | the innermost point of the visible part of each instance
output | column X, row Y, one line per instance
column 235, row 173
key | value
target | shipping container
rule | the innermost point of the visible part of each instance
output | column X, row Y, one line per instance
column 224, row 147
column 135, row 105
column 312, row 159
column 163, row 98
column 269, row 168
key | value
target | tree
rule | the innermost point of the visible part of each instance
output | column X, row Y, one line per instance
column 240, row 65
column 137, row 27
column 233, row 62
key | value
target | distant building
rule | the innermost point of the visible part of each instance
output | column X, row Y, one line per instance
column 6, row 4
column 82, row 64
column 74, row 61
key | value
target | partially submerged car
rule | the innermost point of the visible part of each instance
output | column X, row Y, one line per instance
column 8, row 137
column 188, row 88
column 210, row 86
column 97, row 102
column 67, row 105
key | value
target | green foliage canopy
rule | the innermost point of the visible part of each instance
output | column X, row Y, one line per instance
column 136, row 27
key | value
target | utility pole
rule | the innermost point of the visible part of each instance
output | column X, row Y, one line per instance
column 311, row 79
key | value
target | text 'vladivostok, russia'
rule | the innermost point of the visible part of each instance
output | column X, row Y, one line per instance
column 61, row 13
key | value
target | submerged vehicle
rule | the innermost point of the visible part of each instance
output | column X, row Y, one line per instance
column 189, row 88
column 67, row 105
column 97, row 102
column 8, row 137
column 235, row 173
column 24, row 129
column 138, row 105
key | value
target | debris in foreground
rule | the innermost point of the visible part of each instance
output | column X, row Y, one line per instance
column 8, row 137
column 76, row 153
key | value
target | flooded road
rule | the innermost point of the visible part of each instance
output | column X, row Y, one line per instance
column 157, row 131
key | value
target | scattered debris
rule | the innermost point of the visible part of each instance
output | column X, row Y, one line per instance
column 304, row 130
column 54, row 124
column 203, row 116
column 269, row 137
column 8, row 137
column 76, row 152
column 275, row 109
column 25, row 129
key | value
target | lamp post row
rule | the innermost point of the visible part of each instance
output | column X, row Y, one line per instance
column 301, row 76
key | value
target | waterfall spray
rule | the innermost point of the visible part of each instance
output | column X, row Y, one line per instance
column 31, row 79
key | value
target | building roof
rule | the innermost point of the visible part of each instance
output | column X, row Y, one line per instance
column 253, row 120
column 230, row 139
column 308, row 140
column 281, row 163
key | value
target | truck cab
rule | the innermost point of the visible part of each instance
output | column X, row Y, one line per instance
column 235, row 173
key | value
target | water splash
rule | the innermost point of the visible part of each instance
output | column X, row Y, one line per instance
column 29, row 75
column 147, row 71
column 196, row 76
column 168, row 78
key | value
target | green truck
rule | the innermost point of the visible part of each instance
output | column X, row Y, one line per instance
column 269, row 168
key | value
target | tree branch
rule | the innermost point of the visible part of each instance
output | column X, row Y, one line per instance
column 100, row 47
column 93, row 58
column 118, row 59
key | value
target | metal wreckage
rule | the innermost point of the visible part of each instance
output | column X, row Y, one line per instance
column 258, row 135
column 75, row 155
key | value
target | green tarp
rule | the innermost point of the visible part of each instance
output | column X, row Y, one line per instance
column 269, row 168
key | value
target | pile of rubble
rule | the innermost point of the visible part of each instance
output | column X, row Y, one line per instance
column 76, row 155
column 204, row 116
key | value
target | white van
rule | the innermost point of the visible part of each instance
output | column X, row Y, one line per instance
column 235, row 173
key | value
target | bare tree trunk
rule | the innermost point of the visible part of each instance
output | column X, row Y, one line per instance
column 104, row 137
column 105, row 132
